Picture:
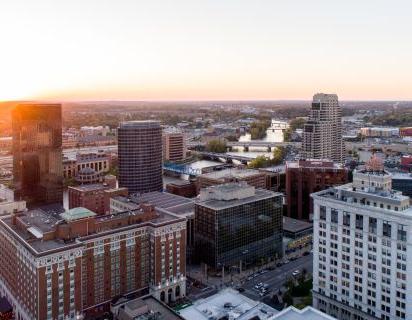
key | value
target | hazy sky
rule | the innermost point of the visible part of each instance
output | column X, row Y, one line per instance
column 205, row 49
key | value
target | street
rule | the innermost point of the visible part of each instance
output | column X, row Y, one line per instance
column 277, row 277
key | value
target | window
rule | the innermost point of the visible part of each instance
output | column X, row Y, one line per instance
column 387, row 228
column 359, row 222
column 372, row 225
column 334, row 216
column 322, row 213
column 401, row 232
column 346, row 219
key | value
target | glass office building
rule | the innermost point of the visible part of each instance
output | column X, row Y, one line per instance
column 140, row 156
column 37, row 153
column 241, row 227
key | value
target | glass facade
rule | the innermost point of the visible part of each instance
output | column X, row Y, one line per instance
column 37, row 153
column 246, row 232
column 140, row 156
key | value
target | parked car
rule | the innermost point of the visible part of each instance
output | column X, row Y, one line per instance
column 295, row 273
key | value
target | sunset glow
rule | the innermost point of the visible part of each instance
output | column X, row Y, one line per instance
column 185, row 49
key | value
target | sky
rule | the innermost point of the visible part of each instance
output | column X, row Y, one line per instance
column 205, row 49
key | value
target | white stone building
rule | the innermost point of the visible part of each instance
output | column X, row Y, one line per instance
column 362, row 244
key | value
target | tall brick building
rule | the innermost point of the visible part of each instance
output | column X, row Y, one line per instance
column 305, row 177
column 59, row 265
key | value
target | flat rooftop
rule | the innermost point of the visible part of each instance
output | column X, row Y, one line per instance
column 40, row 221
column 231, row 173
column 90, row 187
column 307, row 313
column 160, row 199
column 228, row 303
column 347, row 193
column 260, row 194
column 314, row 163
column 294, row 225
column 144, row 308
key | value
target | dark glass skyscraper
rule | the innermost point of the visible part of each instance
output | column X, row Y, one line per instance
column 37, row 153
column 140, row 156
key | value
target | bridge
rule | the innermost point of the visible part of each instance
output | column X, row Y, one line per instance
column 246, row 144
column 181, row 169
column 224, row 156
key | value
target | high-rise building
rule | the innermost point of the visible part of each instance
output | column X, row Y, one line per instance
column 174, row 145
column 362, row 248
column 322, row 134
column 304, row 177
column 236, row 223
column 140, row 156
column 37, row 153
column 57, row 266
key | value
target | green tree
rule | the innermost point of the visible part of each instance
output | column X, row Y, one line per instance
column 258, row 129
column 279, row 155
column 260, row 162
column 294, row 124
column 216, row 146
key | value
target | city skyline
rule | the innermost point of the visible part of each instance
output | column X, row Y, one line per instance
column 204, row 51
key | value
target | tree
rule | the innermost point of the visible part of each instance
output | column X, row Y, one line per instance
column 258, row 129
column 259, row 162
column 216, row 146
column 278, row 155
column 294, row 124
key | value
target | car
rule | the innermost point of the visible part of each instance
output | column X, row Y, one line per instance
column 265, row 286
column 249, row 278
column 295, row 273
column 306, row 253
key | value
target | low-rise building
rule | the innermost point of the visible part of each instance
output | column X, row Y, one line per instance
column 379, row 132
column 228, row 304
column 7, row 203
column 252, row 177
column 296, row 233
column 144, row 308
column 99, row 162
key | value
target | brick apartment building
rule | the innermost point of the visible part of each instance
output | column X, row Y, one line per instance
column 59, row 265
column 95, row 197
column 305, row 177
